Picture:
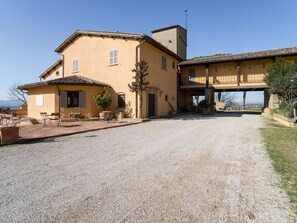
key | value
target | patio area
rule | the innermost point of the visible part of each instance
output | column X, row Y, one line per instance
column 39, row 131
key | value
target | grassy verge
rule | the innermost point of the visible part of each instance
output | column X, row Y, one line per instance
column 281, row 145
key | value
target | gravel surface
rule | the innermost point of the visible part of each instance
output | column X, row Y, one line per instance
column 186, row 169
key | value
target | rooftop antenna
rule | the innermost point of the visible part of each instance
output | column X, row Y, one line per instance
column 186, row 14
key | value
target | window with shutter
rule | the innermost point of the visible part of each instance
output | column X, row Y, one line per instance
column 72, row 99
column 39, row 100
column 121, row 100
column 82, row 99
column 75, row 65
column 113, row 57
column 63, row 99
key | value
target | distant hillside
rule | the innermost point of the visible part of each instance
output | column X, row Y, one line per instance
column 10, row 104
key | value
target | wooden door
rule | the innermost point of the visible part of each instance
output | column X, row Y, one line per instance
column 151, row 105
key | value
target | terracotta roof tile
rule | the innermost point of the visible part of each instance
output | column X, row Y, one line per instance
column 116, row 35
column 71, row 80
column 241, row 56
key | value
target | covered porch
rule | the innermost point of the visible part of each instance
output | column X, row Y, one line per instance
column 190, row 96
column 65, row 96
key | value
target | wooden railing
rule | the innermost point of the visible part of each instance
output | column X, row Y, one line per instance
column 227, row 79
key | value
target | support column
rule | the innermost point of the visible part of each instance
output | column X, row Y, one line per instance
column 207, row 75
column 238, row 72
column 244, row 98
column 209, row 95
column 219, row 96
column 266, row 98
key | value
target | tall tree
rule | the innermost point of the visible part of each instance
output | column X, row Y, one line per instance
column 16, row 94
column 139, row 84
column 278, row 78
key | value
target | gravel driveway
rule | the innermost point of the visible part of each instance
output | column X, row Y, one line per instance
column 187, row 169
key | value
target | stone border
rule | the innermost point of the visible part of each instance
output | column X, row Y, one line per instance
column 282, row 120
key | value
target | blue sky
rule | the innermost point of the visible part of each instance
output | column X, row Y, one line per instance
column 30, row 30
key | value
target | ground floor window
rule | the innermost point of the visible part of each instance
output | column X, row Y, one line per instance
column 121, row 100
column 72, row 99
column 39, row 100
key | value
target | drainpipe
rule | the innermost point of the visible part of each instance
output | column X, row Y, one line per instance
column 136, row 60
column 59, row 98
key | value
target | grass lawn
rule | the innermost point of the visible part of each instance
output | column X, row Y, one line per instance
column 281, row 144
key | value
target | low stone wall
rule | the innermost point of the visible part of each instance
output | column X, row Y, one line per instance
column 291, row 123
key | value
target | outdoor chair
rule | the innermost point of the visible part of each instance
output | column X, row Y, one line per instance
column 55, row 117
column 44, row 118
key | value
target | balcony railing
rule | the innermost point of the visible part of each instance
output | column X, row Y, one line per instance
column 221, row 80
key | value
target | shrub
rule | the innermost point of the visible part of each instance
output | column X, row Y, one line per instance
column 103, row 100
column 285, row 109
column 204, row 104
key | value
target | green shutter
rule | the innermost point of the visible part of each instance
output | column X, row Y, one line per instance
column 82, row 99
column 63, row 99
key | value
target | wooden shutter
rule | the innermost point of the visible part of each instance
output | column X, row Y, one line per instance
column 63, row 99
column 82, row 99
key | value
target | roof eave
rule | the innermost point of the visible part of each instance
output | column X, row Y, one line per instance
column 185, row 63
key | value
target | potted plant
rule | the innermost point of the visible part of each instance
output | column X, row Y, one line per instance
column 103, row 102
column 9, row 131
column 204, row 105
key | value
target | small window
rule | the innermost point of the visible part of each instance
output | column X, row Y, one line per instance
column 192, row 76
column 121, row 100
column 39, row 100
column 113, row 57
column 72, row 99
column 173, row 65
column 75, row 65
column 164, row 63
column 166, row 97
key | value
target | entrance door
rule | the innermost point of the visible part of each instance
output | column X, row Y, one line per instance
column 151, row 105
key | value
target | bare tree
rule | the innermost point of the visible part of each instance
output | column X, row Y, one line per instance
column 227, row 98
column 16, row 94
column 139, row 84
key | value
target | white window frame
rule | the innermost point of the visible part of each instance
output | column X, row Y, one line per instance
column 113, row 57
column 39, row 100
column 75, row 66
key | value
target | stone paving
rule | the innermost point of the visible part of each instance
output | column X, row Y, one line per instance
column 38, row 131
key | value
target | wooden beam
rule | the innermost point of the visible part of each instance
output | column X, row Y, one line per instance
column 238, row 72
column 207, row 75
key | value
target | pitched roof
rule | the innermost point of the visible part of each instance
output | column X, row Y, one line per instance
column 241, row 56
column 124, row 35
column 46, row 72
column 75, row 80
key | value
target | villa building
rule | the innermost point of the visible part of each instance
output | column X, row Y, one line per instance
column 92, row 60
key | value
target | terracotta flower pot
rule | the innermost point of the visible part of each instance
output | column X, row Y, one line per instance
column 206, row 111
column 105, row 114
column 9, row 135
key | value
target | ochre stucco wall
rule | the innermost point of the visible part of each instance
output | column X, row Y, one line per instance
column 92, row 54
column 162, row 82
column 55, row 73
column 51, row 101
